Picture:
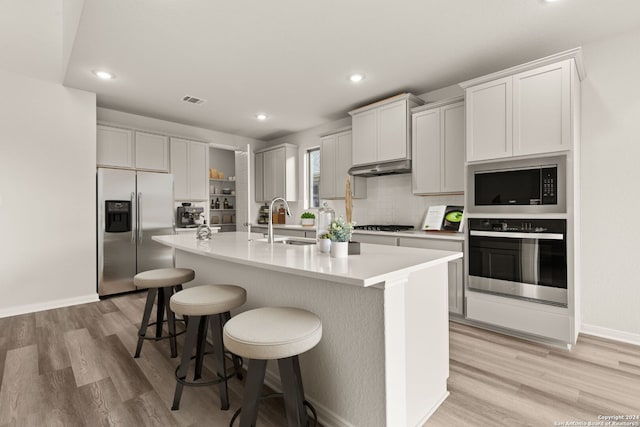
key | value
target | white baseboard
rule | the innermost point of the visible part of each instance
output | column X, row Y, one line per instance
column 611, row 334
column 49, row 305
column 326, row 417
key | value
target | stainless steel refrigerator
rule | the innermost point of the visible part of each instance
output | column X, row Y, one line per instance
column 133, row 206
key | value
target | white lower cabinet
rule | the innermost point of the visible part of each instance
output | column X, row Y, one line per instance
column 189, row 166
column 456, row 273
column 374, row 239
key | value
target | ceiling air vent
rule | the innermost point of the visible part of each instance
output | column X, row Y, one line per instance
column 193, row 100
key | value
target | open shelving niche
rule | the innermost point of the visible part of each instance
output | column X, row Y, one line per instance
column 220, row 212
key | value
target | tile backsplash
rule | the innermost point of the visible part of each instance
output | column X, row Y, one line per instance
column 389, row 201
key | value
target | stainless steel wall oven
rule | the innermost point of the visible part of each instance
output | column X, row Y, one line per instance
column 519, row 258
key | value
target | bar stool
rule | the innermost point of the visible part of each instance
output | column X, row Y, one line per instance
column 273, row 333
column 163, row 282
column 206, row 304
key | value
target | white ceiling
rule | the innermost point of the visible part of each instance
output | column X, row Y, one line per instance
column 291, row 58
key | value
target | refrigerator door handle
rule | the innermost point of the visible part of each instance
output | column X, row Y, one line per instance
column 133, row 228
column 139, row 218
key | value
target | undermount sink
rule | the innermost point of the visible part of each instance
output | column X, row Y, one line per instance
column 287, row 240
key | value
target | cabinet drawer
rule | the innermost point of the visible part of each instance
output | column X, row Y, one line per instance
column 443, row 245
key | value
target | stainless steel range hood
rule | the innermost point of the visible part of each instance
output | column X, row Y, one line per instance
column 384, row 168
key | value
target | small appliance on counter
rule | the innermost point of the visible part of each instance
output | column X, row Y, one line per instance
column 263, row 214
column 189, row 216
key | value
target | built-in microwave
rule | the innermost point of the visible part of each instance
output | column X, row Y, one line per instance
column 522, row 186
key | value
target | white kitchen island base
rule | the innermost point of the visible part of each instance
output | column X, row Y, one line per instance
column 384, row 356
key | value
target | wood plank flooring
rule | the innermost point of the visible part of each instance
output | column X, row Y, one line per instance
column 497, row 380
column 74, row 367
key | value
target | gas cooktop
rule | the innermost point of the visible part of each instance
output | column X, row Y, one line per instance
column 387, row 227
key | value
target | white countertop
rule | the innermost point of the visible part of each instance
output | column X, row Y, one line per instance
column 375, row 264
column 194, row 229
column 439, row 235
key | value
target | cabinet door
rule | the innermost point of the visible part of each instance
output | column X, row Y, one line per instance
column 456, row 296
column 328, row 167
column 364, row 127
column 489, row 120
column 198, row 171
column 114, row 147
column 274, row 173
column 425, row 175
column 343, row 163
column 452, row 148
column 542, row 110
column 152, row 152
column 392, row 131
column 180, row 168
column 259, row 177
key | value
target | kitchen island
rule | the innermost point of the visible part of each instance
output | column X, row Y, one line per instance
column 384, row 356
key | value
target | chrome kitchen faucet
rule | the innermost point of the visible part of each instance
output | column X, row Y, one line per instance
column 270, row 228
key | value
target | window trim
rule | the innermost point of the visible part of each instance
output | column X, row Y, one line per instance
column 309, row 179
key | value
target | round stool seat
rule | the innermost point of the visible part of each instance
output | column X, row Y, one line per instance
column 163, row 277
column 208, row 300
column 270, row 333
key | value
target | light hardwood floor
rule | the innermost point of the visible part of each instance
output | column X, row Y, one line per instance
column 74, row 367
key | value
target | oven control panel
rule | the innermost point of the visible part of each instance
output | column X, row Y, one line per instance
column 519, row 225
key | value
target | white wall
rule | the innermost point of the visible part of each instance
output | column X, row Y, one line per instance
column 610, row 192
column 47, row 195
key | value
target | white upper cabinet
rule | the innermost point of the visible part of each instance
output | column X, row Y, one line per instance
column 489, row 123
column 123, row 148
column 259, row 177
column 189, row 168
column 524, row 113
column 542, row 110
column 114, row 147
column 152, row 152
column 382, row 131
column 438, row 148
column 335, row 161
column 364, row 137
column 279, row 173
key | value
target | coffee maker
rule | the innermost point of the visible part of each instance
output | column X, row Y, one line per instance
column 189, row 216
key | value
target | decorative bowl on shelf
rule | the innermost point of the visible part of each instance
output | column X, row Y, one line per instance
column 226, row 191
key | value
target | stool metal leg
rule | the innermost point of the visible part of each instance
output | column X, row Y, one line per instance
column 237, row 360
column 160, row 312
column 187, row 349
column 221, row 368
column 202, row 342
column 171, row 321
column 151, row 296
column 293, row 392
column 252, row 392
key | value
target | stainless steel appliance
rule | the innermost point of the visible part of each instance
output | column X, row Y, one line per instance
column 189, row 216
column 132, row 207
column 519, row 258
column 530, row 186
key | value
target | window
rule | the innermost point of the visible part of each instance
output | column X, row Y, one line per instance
column 313, row 177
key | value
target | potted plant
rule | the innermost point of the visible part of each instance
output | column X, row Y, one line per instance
column 324, row 243
column 340, row 233
column 307, row 219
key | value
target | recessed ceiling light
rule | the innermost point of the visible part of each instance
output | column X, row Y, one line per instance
column 355, row 78
column 104, row 75
column 550, row 1
column 262, row 117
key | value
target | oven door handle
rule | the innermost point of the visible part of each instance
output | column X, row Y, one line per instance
column 515, row 235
